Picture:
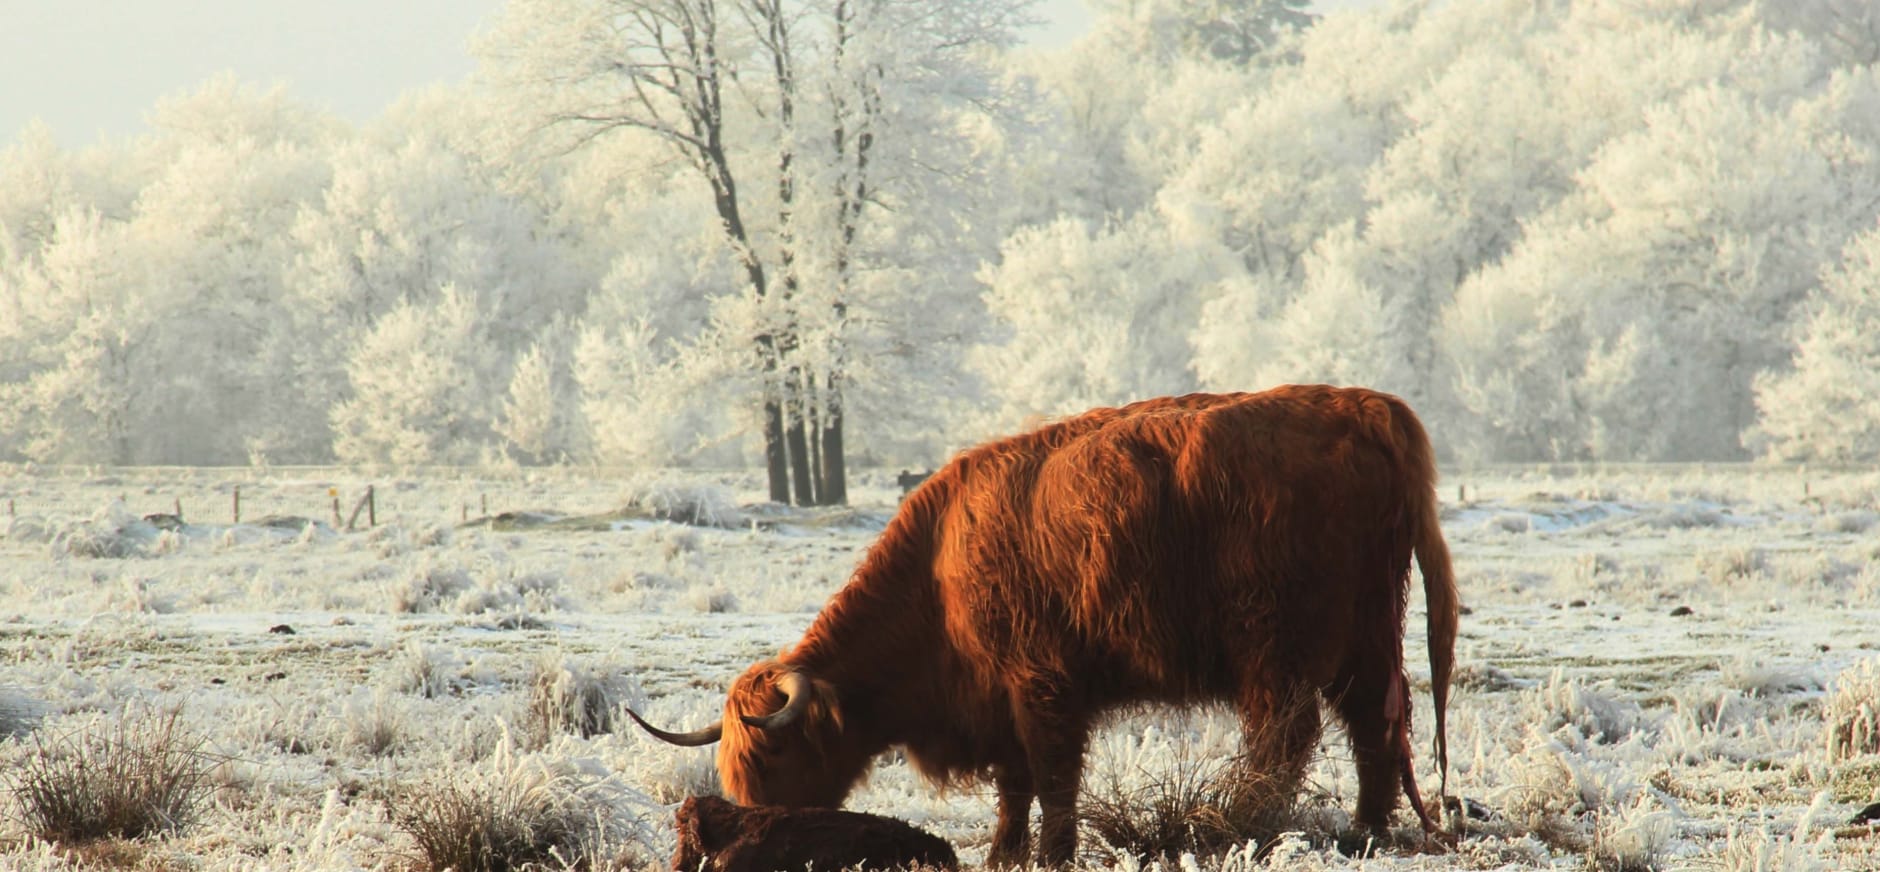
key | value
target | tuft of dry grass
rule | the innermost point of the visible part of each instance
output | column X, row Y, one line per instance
column 1632, row 839
column 516, row 815
column 138, row 776
column 1749, row 848
column 1596, row 711
column 1205, row 806
column 1733, row 565
column 107, row 854
column 485, row 827
column 429, row 671
column 1852, row 713
column 1203, row 809
column 371, row 722
column 567, row 698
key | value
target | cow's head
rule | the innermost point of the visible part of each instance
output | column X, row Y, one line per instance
column 780, row 742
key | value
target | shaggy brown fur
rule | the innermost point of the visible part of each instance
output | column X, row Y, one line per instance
column 1240, row 547
column 716, row 836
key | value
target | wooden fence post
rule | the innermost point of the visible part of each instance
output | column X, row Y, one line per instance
column 238, row 504
column 364, row 505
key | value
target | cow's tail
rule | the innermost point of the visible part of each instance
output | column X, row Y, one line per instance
column 1412, row 447
column 1439, row 583
column 1445, row 607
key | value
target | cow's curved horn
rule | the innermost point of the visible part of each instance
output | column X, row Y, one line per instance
column 701, row 736
column 796, row 693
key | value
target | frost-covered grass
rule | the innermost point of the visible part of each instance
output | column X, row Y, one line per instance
column 1853, row 712
column 517, row 813
column 113, row 778
column 1160, row 793
column 1661, row 668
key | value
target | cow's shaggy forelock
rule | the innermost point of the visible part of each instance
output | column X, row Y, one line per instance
column 802, row 764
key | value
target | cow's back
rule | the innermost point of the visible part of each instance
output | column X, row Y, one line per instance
column 1155, row 551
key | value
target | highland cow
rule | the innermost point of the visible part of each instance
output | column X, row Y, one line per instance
column 1248, row 548
column 716, row 836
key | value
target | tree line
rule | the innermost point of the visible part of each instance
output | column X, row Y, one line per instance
column 805, row 234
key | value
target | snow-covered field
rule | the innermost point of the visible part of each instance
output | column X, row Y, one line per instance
column 1651, row 668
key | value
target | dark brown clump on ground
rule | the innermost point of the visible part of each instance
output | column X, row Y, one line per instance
column 717, row 836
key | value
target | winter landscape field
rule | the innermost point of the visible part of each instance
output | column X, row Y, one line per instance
column 329, row 444
column 1660, row 667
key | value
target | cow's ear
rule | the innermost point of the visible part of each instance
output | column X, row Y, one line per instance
column 822, row 719
column 825, row 705
column 822, row 715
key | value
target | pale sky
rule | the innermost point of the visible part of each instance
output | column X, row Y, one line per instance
column 93, row 68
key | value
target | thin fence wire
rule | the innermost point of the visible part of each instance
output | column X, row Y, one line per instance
column 449, row 495
column 332, row 495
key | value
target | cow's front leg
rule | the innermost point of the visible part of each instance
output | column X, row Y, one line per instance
column 1011, row 839
column 1057, row 764
column 1057, row 814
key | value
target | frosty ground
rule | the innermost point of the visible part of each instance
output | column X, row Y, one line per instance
column 1651, row 667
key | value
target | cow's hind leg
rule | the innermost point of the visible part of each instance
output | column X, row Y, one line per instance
column 1374, row 705
column 1279, row 730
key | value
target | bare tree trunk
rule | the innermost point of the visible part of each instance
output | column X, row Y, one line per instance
column 816, row 456
column 799, row 464
column 674, row 90
column 835, row 486
column 853, row 136
column 768, row 21
column 775, row 462
column 798, row 440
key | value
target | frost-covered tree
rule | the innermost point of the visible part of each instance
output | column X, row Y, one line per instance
column 1228, row 31
column 62, row 292
column 1080, row 154
column 1598, row 229
column 1667, row 283
column 425, row 383
column 39, row 183
column 1546, row 225
column 146, row 337
column 638, row 398
column 1343, row 182
column 1112, row 121
column 1827, row 407
column 1342, row 328
column 1090, row 316
column 238, row 165
column 540, row 419
column 78, row 376
column 1847, row 29
column 802, row 122
column 1290, row 159
column 402, row 218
